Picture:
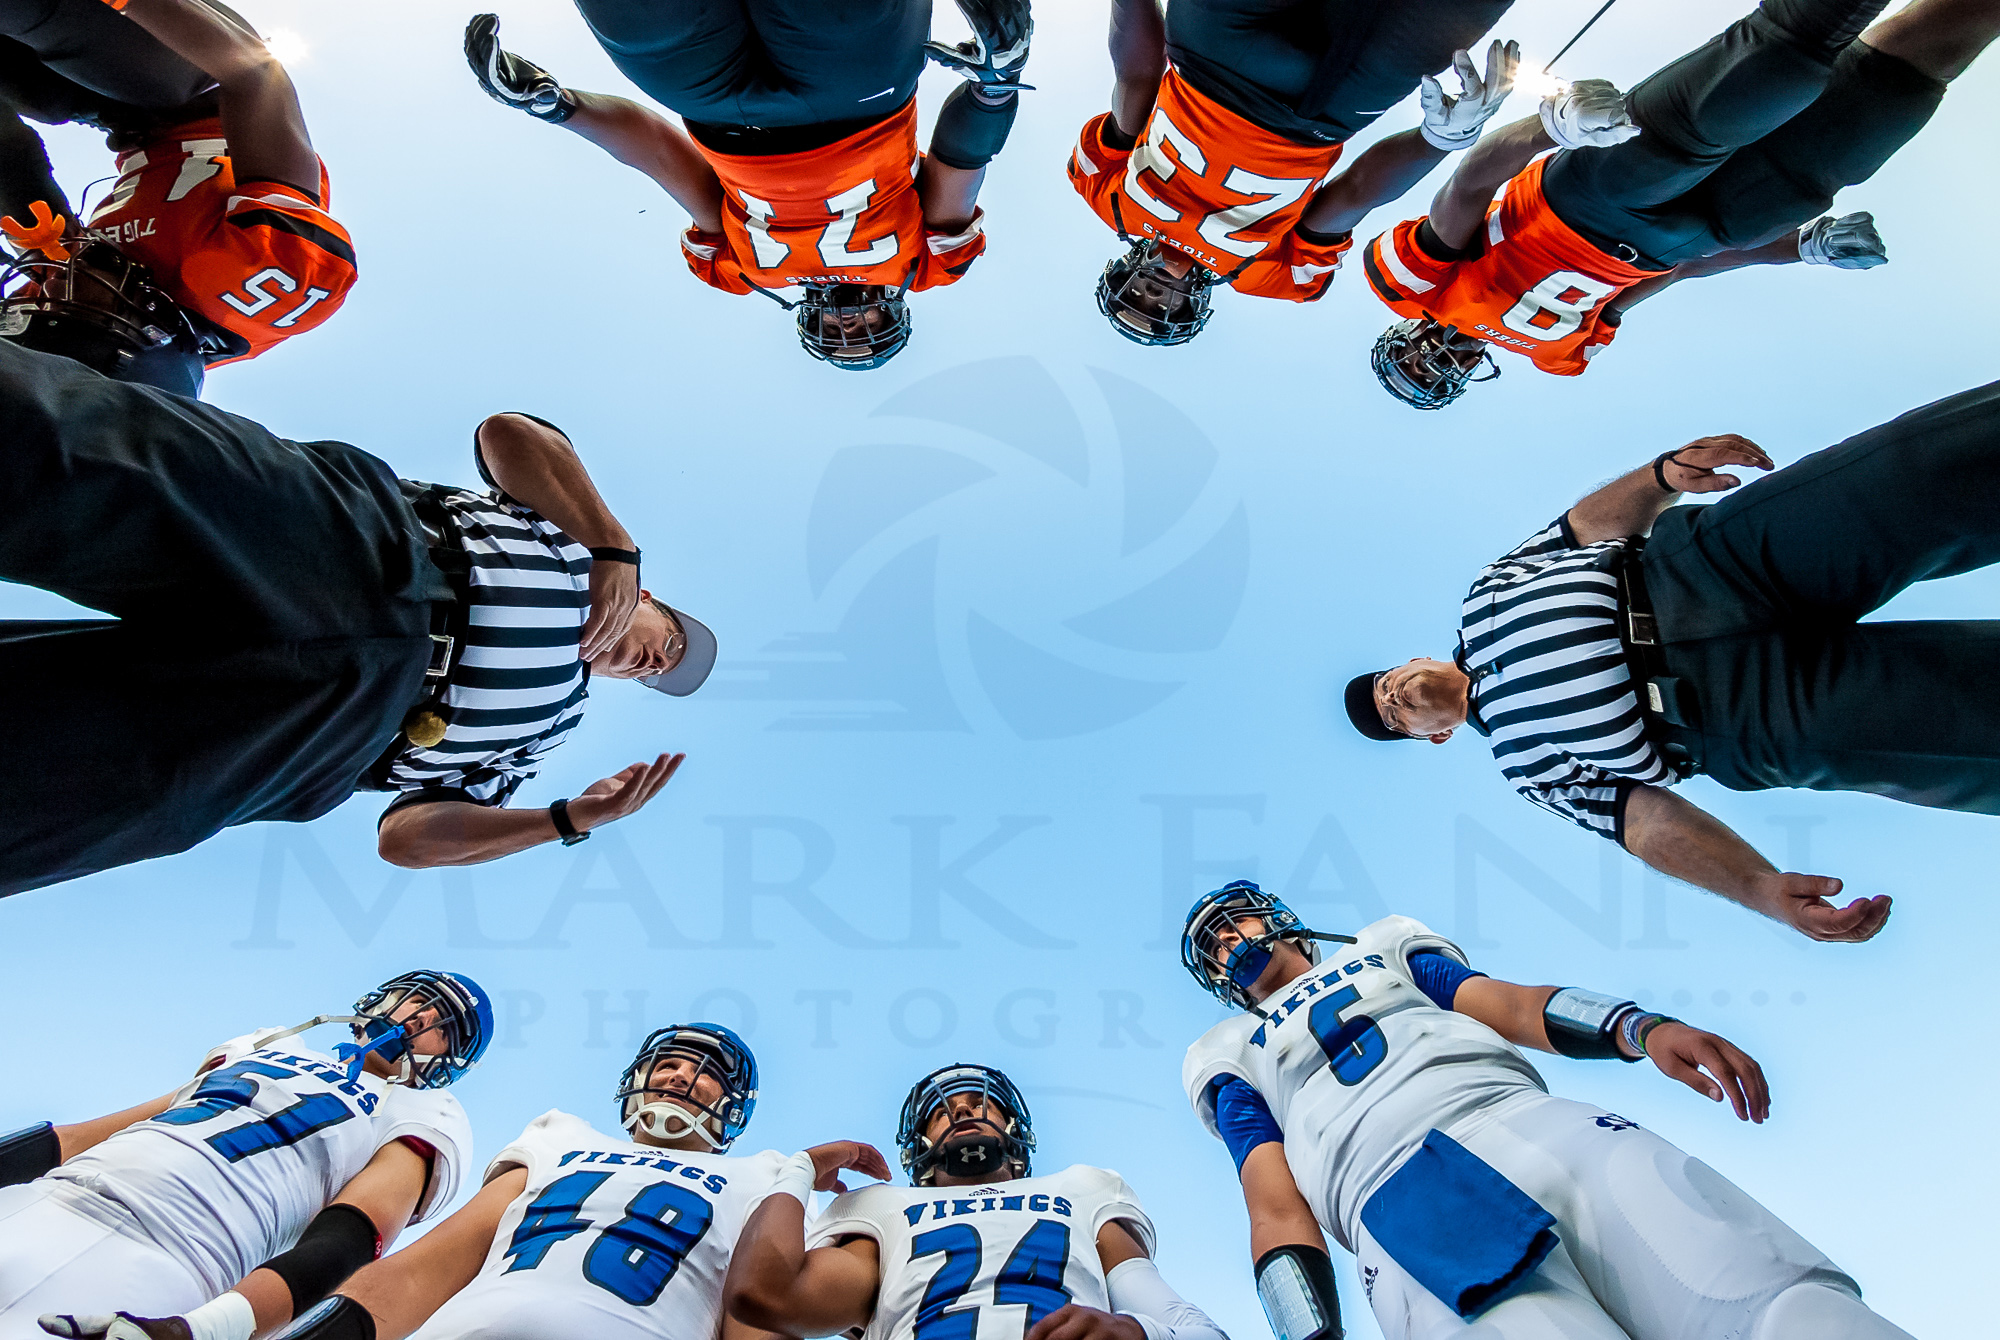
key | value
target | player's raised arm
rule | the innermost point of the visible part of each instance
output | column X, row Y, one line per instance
column 1589, row 113
column 775, row 1284
column 1390, row 167
column 1143, row 1305
column 1138, row 62
column 261, row 117
column 34, row 1150
column 976, row 118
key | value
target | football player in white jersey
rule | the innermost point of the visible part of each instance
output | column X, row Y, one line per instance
column 246, row 1196
column 587, row 1235
column 1376, row 1093
column 976, row 1248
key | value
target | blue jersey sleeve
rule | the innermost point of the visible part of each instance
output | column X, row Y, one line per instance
column 1242, row 1116
column 1439, row 976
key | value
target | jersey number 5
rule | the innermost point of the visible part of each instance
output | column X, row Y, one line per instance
column 1353, row 1047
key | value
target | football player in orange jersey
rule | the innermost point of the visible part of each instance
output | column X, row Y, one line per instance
column 214, row 244
column 1725, row 158
column 798, row 162
column 1225, row 120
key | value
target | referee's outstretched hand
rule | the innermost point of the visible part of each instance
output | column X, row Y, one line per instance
column 624, row 792
column 1693, row 468
column 1803, row 902
column 1683, row 1052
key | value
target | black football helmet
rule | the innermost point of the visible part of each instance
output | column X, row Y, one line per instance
column 106, row 311
column 1006, row 1137
column 1427, row 365
column 1149, row 304
column 854, row 327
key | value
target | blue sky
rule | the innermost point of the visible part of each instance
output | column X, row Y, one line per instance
column 1027, row 639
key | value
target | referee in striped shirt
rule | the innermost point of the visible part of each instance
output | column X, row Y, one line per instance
column 292, row 622
column 1634, row 643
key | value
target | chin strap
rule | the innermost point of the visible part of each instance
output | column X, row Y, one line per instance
column 355, row 1054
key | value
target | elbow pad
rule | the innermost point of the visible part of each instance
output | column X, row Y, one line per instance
column 27, row 1154
column 1134, row 1289
column 339, row 1241
column 1243, row 1117
column 1295, row 1284
column 970, row 130
column 1584, row 1024
column 338, row 1318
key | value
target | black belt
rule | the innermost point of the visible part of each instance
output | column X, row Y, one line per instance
column 1666, row 701
column 424, row 724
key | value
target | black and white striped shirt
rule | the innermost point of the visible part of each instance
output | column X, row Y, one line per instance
column 516, row 689
column 1551, row 689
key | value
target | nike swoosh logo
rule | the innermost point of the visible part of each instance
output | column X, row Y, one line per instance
column 884, row 93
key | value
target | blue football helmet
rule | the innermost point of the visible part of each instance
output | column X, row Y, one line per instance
column 437, row 1053
column 1010, row 1131
column 1227, row 972
column 666, row 1114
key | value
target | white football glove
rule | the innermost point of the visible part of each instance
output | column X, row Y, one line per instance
column 1455, row 122
column 1589, row 114
column 1849, row 242
column 115, row 1326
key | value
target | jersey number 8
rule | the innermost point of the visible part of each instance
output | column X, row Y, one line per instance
column 633, row 1258
column 1555, row 307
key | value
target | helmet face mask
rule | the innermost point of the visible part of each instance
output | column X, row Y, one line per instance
column 669, row 1115
column 1004, row 1143
column 453, row 1023
column 104, row 310
column 1427, row 365
column 1257, row 920
column 1147, row 303
column 855, row 327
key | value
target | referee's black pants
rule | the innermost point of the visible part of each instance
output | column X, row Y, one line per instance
column 1759, row 596
column 1319, row 71
column 767, row 63
column 1746, row 137
column 272, row 625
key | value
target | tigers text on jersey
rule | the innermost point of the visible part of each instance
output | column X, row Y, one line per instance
column 1224, row 190
column 1358, row 1066
column 845, row 214
column 1008, row 1254
column 609, row 1240
column 261, row 260
column 1533, row 285
column 232, row 1174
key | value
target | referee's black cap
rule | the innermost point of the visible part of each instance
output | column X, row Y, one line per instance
column 1363, row 712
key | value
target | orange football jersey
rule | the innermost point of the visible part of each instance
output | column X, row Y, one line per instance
column 1534, row 286
column 261, row 260
column 845, row 214
column 1224, row 190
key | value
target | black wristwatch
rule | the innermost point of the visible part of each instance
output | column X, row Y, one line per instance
column 559, row 815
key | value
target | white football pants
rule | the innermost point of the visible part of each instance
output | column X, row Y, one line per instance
column 54, row 1259
column 1655, row 1245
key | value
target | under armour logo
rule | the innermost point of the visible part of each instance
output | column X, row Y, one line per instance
column 1368, row 1274
column 1611, row 1121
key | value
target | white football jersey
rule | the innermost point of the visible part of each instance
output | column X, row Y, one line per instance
column 984, row 1262
column 609, row 1241
column 1358, row 1066
column 231, row 1175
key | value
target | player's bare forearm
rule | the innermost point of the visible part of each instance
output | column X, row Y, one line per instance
column 950, row 195
column 641, row 138
column 261, row 117
column 1628, row 505
column 1783, row 251
column 76, row 1138
column 1138, row 61
column 1511, row 1010
column 402, row 1291
column 537, row 467
column 457, row 832
column 1384, row 172
column 1279, row 1215
column 775, row 1284
column 1461, row 202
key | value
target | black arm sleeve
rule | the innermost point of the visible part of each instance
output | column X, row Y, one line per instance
column 27, row 1154
column 971, row 130
column 339, row 1318
column 339, row 1241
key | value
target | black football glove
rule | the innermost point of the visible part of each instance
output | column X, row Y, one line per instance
column 998, row 51
column 114, row 1326
column 509, row 79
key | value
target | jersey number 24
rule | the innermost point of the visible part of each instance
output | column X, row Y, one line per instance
column 1032, row 1276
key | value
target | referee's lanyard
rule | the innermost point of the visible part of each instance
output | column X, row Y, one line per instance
column 1474, row 674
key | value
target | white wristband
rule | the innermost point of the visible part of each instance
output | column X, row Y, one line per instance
column 795, row 1179
column 229, row 1317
